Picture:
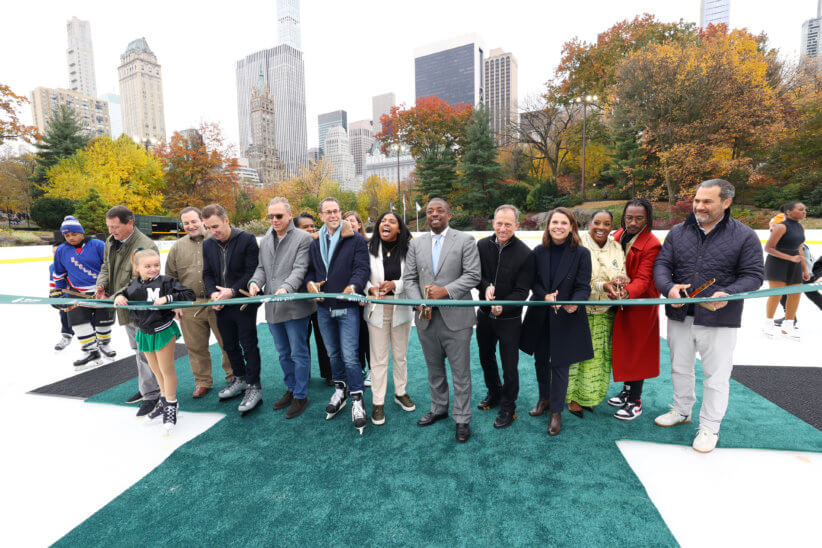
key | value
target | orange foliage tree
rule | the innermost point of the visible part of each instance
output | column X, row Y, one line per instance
column 431, row 125
column 10, row 126
column 199, row 170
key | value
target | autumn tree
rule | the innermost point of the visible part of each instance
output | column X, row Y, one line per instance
column 15, row 179
column 122, row 171
column 699, row 106
column 199, row 170
column 64, row 136
column 480, row 172
column 377, row 195
column 431, row 125
column 10, row 126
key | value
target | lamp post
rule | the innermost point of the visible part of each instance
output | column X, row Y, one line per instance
column 399, row 149
column 588, row 99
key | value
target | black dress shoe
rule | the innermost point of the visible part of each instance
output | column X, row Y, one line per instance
column 463, row 432
column 588, row 408
column 430, row 418
column 136, row 398
column 504, row 419
column 490, row 400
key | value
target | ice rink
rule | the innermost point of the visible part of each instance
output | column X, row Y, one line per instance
column 64, row 459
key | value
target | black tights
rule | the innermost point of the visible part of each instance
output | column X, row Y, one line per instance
column 634, row 389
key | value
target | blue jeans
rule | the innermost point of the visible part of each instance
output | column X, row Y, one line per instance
column 292, row 346
column 342, row 339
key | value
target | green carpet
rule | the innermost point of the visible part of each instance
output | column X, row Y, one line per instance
column 263, row 480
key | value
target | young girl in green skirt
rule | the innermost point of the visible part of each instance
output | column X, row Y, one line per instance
column 156, row 329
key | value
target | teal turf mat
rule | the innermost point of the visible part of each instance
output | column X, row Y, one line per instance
column 263, row 480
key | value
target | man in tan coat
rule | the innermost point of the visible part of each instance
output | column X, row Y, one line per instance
column 185, row 263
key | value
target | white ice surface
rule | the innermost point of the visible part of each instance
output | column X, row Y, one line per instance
column 731, row 497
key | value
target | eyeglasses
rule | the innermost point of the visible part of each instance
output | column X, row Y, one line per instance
column 277, row 216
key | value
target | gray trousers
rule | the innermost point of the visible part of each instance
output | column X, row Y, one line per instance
column 145, row 378
column 438, row 342
column 716, row 349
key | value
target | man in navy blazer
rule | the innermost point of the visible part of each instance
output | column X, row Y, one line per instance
column 338, row 263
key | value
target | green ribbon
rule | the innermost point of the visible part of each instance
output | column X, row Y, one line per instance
column 109, row 303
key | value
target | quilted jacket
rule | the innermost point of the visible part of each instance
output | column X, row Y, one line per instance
column 731, row 253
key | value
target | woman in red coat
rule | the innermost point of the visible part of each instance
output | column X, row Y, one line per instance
column 636, row 328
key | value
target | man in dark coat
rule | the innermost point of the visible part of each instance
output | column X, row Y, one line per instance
column 506, row 274
column 708, row 245
column 230, row 258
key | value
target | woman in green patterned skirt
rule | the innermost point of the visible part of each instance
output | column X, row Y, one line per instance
column 588, row 381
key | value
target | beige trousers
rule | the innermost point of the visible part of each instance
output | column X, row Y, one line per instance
column 196, row 331
column 379, row 340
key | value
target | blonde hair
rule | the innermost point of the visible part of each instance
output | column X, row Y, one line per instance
column 137, row 255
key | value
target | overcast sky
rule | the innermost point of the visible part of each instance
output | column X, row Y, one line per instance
column 353, row 49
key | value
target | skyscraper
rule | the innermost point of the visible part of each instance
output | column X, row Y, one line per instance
column 115, row 114
column 451, row 70
column 328, row 120
column 811, row 30
column 141, row 93
column 381, row 104
column 91, row 113
column 262, row 152
column 361, row 137
column 284, row 75
column 501, row 92
column 80, row 57
column 714, row 11
column 338, row 156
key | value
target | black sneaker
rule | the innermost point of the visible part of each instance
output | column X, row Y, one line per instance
column 157, row 412
column 136, row 398
column 146, row 407
column 629, row 411
column 170, row 415
column 620, row 399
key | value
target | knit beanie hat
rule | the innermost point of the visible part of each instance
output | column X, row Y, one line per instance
column 71, row 224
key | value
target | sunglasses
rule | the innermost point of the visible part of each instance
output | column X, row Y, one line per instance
column 277, row 216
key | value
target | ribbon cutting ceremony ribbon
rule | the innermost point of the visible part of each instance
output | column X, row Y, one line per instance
column 109, row 303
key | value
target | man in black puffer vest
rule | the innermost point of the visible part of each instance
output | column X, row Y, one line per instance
column 507, row 270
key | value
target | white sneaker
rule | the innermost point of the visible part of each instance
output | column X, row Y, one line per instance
column 705, row 440
column 367, row 381
column 672, row 418
column 768, row 328
column 789, row 330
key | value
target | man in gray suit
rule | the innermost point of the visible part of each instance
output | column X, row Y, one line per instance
column 444, row 264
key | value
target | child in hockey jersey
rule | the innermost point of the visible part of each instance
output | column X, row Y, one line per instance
column 156, row 329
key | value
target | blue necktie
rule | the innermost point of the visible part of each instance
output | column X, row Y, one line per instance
column 435, row 252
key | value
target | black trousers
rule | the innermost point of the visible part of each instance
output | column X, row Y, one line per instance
column 552, row 379
column 65, row 327
column 238, row 328
column 98, row 317
column 814, row 296
column 490, row 331
column 322, row 353
column 365, row 343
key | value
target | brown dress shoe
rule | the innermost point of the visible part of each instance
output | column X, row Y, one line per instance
column 540, row 408
column 200, row 391
column 556, row 424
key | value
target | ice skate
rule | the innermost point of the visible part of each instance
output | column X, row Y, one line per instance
column 169, row 415
column 338, row 400
column 358, row 415
column 91, row 357
column 107, row 351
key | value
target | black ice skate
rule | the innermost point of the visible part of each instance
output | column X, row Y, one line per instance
column 338, row 400
column 91, row 358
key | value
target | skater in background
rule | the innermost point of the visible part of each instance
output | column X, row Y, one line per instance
column 338, row 263
column 356, row 223
column 66, row 332
column 77, row 265
column 156, row 329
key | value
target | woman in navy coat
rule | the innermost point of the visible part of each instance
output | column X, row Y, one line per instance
column 558, row 336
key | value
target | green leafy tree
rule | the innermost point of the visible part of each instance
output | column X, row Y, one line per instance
column 49, row 212
column 91, row 212
column 246, row 209
column 437, row 173
column 480, row 171
column 63, row 138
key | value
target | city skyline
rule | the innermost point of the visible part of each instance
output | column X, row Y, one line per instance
column 201, row 87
